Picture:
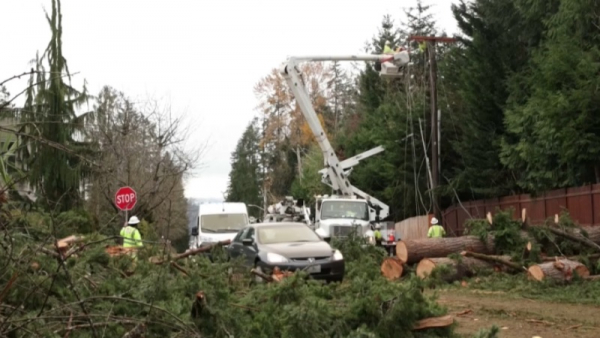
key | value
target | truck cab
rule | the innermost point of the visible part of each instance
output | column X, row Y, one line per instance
column 218, row 222
column 339, row 216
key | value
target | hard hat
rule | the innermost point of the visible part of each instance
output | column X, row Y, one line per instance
column 387, row 42
column 434, row 221
column 377, row 226
column 133, row 220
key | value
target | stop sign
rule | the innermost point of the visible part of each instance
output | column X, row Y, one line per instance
column 125, row 198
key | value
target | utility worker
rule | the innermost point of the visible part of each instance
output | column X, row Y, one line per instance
column 377, row 234
column 391, row 237
column 436, row 230
column 131, row 235
column 387, row 49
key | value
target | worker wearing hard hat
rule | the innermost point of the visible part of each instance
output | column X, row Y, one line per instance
column 436, row 230
column 131, row 235
column 387, row 49
column 377, row 234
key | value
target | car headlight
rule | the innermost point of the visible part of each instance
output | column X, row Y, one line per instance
column 371, row 239
column 275, row 258
column 337, row 255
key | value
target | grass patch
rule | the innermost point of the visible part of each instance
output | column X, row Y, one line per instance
column 517, row 286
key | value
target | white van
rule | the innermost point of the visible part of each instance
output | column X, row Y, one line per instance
column 218, row 222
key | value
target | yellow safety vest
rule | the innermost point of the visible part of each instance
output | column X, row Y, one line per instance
column 377, row 234
column 131, row 237
column 436, row 231
column 387, row 50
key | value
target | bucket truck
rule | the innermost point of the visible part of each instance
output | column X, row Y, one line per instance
column 348, row 209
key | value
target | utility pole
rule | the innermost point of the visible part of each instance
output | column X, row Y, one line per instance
column 435, row 114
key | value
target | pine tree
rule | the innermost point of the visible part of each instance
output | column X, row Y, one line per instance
column 477, row 71
column 553, row 136
column 51, row 108
column 245, row 177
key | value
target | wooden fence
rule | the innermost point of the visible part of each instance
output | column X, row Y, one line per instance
column 582, row 203
column 414, row 227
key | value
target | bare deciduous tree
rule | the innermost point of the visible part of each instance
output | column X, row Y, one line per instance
column 142, row 146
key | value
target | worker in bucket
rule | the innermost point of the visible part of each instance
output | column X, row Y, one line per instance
column 436, row 230
column 131, row 235
column 387, row 49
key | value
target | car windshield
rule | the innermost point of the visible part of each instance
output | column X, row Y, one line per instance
column 345, row 209
column 223, row 222
column 286, row 234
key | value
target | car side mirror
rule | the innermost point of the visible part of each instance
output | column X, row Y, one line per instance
column 195, row 231
column 247, row 241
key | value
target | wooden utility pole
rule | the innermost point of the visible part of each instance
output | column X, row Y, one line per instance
column 435, row 126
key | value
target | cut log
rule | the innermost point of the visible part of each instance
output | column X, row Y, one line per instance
column 559, row 270
column 466, row 267
column 392, row 268
column 413, row 250
column 429, row 323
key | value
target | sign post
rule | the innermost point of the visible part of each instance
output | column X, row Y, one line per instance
column 125, row 199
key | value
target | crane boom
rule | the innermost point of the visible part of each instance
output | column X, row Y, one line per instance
column 335, row 174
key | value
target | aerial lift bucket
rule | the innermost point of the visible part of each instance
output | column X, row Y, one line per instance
column 391, row 67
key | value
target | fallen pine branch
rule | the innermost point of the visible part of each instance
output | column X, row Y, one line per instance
column 434, row 322
column 159, row 261
column 262, row 275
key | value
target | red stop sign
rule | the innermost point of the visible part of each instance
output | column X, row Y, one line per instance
column 125, row 198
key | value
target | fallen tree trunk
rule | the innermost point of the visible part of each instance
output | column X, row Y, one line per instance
column 502, row 260
column 559, row 270
column 465, row 268
column 575, row 237
column 592, row 232
column 413, row 250
column 392, row 268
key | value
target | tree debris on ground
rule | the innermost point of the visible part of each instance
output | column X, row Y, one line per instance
column 104, row 291
column 557, row 251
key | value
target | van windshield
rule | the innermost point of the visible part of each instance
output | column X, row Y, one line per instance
column 223, row 222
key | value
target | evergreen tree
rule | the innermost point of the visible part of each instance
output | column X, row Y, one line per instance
column 245, row 177
column 554, row 132
column 387, row 32
column 477, row 72
column 51, row 110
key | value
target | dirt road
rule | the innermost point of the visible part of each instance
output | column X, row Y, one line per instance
column 520, row 317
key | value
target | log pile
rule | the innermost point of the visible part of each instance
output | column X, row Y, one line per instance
column 475, row 255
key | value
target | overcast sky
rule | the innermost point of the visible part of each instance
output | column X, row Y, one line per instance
column 204, row 56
